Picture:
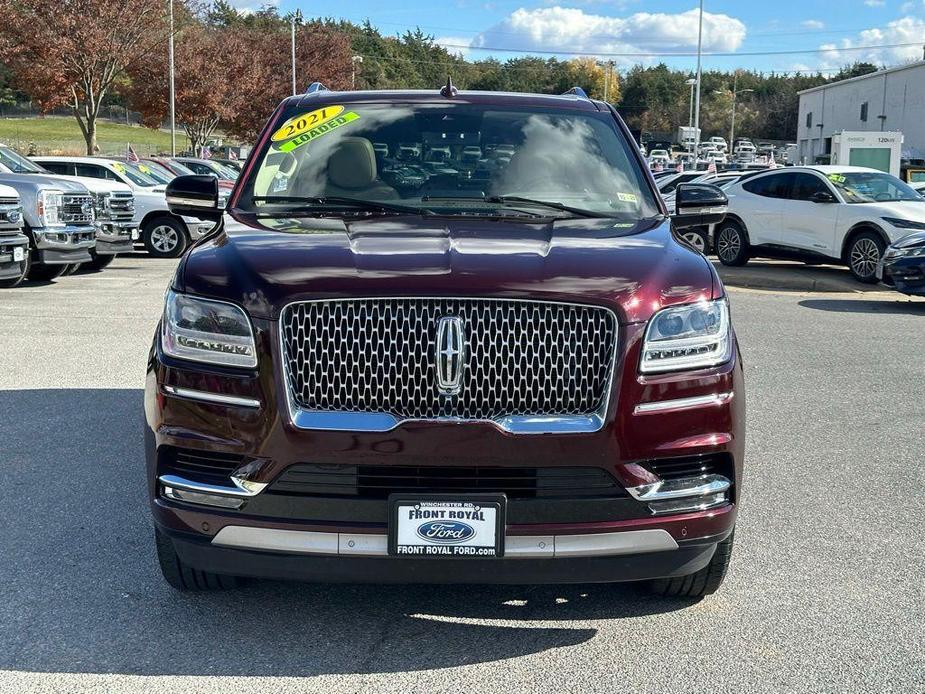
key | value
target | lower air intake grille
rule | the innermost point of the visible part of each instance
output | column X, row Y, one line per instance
column 378, row 481
column 200, row 466
column 689, row 466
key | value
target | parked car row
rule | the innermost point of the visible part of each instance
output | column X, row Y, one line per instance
column 862, row 218
column 58, row 213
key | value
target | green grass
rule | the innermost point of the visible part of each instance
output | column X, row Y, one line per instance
column 61, row 135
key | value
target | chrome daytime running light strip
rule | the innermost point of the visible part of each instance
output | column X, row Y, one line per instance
column 683, row 403
column 680, row 488
column 216, row 398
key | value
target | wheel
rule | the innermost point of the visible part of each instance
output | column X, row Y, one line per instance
column 184, row 577
column 732, row 244
column 698, row 238
column 11, row 282
column 98, row 263
column 165, row 237
column 704, row 582
column 46, row 273
column 864, row 253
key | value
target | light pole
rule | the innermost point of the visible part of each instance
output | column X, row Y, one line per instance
column 699, row 71
column 292, row 50
column 735, row 96
column 357, row 59
column 173, row 107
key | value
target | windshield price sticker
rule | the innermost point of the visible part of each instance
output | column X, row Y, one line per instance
column 318, row 131
column 627, row 197
column 446, row 528
column 837, row 178
column 305, row 122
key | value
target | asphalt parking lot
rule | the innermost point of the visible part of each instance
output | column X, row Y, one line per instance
column 826, row 590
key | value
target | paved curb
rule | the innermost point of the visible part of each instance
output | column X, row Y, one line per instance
column 791, row 277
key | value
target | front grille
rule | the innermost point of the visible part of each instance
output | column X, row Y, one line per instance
column 76, row 209
column 199, row 466
column 379, row 355
column 378, row 481
column 10, row 209
column 121, row 207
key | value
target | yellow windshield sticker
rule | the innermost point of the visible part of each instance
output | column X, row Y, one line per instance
column 144, row 169
column 118, row 167
column 318, row 131
column 627, row 197
column 837, row 178
column 306, row 121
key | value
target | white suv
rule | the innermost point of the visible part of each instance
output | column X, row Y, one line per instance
column 839, row 214
column 165, row 234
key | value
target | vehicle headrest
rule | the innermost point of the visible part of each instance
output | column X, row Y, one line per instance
column 352, row 164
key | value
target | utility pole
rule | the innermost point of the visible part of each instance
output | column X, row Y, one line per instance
column 699, row 72
column 735, row 94
column 292, row 25
column 173, row 105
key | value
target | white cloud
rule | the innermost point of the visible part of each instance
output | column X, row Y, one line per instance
column 457, row 45
column 908, row 30
column 573, row 30
column 813, row 24
column 875, row 3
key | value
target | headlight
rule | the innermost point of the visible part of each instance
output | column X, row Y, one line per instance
column 694, row 336
column 207, row 331
column 904, row 223
column 910, row 252
column 47, row 207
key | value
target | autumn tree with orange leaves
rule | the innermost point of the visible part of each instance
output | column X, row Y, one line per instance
column 71, row 52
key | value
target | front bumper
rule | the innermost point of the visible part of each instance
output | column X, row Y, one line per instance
column 115, row 237
column 13, row 246
column 65, row 245
column 906, row 274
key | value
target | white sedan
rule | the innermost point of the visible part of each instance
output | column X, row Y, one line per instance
column 833, row 214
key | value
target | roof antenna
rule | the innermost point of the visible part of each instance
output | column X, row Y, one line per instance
column 449, row 91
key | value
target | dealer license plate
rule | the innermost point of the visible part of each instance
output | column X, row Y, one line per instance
column 451, row 526
column 19, row 254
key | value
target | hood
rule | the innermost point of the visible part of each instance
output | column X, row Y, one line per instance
column 158, row 194
column 44, row 181
column 100, row 185
column 913, row 210
column 267, row 263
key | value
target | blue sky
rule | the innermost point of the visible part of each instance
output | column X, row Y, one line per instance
column 481, row 28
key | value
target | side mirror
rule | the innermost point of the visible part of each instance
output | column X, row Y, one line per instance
column 194, row 196
column 699, row 204
column 822, row 196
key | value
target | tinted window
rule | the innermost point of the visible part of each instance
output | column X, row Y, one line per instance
column 805, row 185
column 59, row 167
column 198, row 168
column 94, row 171
column 773, row 186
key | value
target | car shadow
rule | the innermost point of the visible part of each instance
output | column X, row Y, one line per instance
column 896, row 306
column 83, row 592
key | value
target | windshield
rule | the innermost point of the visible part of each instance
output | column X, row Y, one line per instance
column 17, row 163
column 458, row 159
column 871, row 186
column 134, row 175
column 151, row 172
column 224, row 171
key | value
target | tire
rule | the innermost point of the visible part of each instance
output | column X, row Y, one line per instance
column 71, row 269
column 183, row 577
column 732, row 244
column 46, row 273
column 704, row 582
column 165, row 237
column 863, row 254
column 99, row 262
column 11, row 282
column 698, row 238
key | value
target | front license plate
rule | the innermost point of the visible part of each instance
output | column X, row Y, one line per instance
column 447, row 526
column 19, row 254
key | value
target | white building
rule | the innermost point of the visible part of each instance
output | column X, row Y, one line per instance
column 887, row 100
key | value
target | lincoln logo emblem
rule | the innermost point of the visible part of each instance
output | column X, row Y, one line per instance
column 451, row 354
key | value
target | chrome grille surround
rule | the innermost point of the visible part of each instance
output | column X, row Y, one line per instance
column 76, row 208
column 368, row 364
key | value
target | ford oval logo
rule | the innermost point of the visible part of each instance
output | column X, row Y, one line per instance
column 446, row 532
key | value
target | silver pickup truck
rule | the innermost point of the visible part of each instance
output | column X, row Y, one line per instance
column 113, row 207
column 14, row 245
column 58, row 216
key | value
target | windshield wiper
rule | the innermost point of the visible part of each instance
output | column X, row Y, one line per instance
column 502, row 199
column 327, row 201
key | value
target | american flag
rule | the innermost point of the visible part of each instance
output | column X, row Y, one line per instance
column 680, row 167
column 232, row 155
column 658, row 167
column 712, row 167
column 204, row 152
column 132, row 155
column 772, row 164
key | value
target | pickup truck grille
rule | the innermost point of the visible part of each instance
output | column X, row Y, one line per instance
column 121, row 207
column 520, row 358
column 10, row 214
column 76, row 209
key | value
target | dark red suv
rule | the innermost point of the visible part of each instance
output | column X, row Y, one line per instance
column 442, row 336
